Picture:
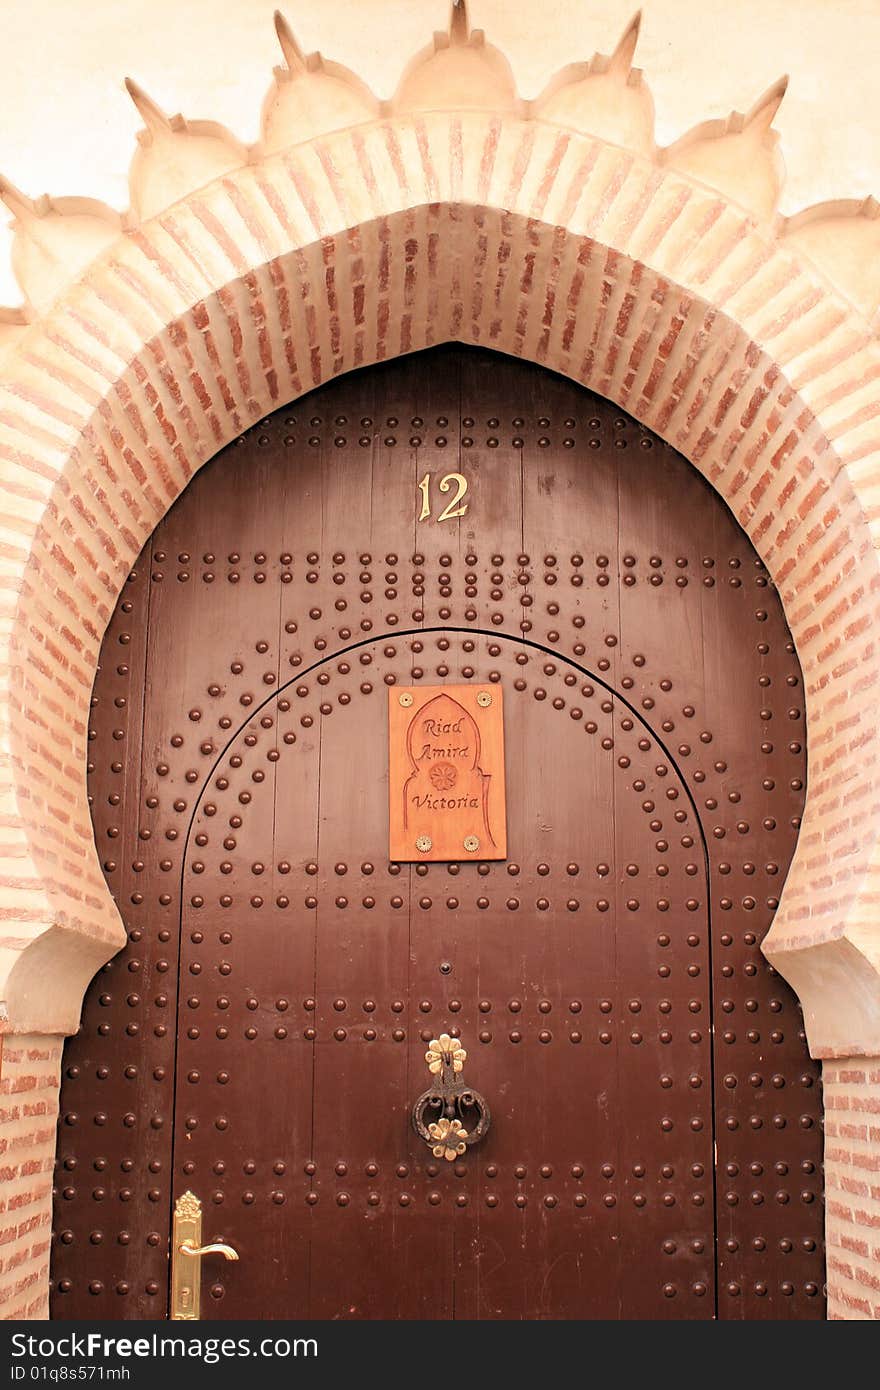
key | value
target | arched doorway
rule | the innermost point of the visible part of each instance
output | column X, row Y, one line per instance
column 655, row 1148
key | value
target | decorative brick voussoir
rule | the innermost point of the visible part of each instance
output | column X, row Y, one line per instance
column 756, row 394
column 730, row 410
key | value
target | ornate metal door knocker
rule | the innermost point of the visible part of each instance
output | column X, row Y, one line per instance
column 441, row 1114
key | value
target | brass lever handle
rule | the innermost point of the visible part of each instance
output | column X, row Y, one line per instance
column 189, row 1247
column 186, row 1274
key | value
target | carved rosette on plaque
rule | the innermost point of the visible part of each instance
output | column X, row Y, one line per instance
column 446, row 773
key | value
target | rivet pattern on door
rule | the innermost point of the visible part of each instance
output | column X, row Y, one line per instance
column 655, row 1143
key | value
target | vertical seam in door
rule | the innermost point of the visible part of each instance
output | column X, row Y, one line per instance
column 315, row 996
column 618, row 1030
column 177, row 1011
column 711, row 968
column 314, row 1088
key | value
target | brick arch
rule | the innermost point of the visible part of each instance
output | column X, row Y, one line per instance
column 541, row 243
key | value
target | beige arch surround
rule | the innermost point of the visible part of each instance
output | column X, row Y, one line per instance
column 475, row 228
column 488, row 226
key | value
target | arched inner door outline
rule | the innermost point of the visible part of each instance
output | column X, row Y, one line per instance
column 571, row 1010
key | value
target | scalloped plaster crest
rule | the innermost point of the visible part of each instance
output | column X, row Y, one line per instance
column 605, row 97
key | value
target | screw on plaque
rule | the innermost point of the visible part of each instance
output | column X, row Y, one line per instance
column 405, row 699
column 424, row 843
column 484, row 699
column 471, row 844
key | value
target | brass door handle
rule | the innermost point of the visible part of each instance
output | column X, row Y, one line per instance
column 188, row 1247
column 186, row 1274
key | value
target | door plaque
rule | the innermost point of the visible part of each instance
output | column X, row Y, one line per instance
column 446, row 773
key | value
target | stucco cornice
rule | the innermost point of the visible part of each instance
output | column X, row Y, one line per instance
column 605, row 97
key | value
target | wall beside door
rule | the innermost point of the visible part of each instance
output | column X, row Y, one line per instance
column 29, row 1073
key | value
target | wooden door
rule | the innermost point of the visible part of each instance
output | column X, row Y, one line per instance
column 453, row 517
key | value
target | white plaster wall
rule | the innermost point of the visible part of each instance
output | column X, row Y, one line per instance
column 67, row 125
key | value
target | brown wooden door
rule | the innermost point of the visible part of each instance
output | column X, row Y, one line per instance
column 655, row 1141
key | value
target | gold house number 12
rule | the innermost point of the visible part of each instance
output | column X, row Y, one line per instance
column 456, row 506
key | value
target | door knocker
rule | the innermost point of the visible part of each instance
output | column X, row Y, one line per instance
column 440, row 1113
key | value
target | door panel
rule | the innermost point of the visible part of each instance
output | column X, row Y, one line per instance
column 656, row 1121
column 547, row 986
